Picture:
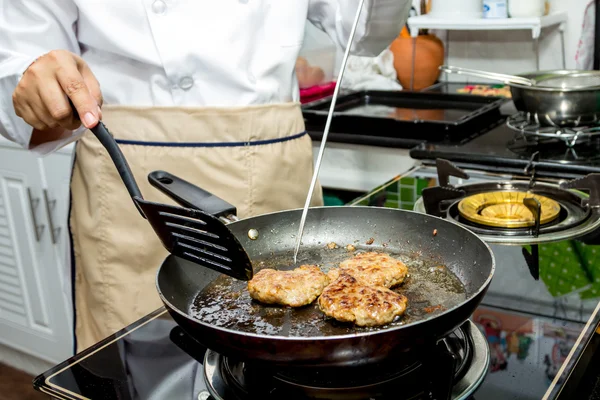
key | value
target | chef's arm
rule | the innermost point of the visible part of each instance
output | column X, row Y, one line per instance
column 380, row 22
column 29, row 29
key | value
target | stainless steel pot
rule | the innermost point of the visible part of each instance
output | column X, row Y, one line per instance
column 553, row 98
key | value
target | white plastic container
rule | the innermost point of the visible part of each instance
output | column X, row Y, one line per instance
column 526, row 8
column 495, row 8
column 456, row 9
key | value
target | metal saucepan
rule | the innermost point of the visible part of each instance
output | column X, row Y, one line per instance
column 449, row 267
column 561, row 98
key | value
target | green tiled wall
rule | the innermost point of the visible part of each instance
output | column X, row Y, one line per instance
column 400, row 194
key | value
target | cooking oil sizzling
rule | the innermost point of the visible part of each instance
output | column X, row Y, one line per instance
column 431, row 288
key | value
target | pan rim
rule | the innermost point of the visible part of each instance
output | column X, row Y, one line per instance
column 474, row 295
column 530, row 75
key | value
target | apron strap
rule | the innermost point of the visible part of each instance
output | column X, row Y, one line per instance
column 211, row 144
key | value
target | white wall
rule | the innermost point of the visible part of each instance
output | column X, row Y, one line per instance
column 508, row 52
column 513, row 51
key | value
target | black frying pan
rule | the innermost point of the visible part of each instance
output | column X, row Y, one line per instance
column 450, row 270
column 217, row 311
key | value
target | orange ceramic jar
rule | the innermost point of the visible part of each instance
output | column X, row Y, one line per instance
column 429, row 57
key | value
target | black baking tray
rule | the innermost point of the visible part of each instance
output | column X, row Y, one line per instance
column 418, row 116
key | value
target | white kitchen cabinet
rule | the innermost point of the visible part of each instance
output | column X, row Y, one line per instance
column 56, row 177
column 34, row 310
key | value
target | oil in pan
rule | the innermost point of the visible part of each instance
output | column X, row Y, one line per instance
column 430, row 288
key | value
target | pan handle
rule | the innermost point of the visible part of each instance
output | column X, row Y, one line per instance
column 111, row 146
column 189, row 195
column 506, row 79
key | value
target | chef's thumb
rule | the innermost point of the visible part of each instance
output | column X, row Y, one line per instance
column 92, row 84
column 79, row 95
column 86, row 107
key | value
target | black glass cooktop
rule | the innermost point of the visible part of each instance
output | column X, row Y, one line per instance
column 503, row 150
column 143, row 361
column 154, row 359
column 536, row 330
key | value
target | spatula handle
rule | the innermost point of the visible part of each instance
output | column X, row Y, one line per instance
column 189, row 195
column 119, row 160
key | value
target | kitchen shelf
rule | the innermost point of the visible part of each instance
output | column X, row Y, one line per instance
column 487, row 24
column 535, row 25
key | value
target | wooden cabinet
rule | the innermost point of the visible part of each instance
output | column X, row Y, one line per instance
column 35, row 315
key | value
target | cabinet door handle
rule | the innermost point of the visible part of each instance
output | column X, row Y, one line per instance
column 33, row 204
column 50, row 205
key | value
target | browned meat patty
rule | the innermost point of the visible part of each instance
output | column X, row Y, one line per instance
column 295, row 288
column 348, row 300
column 374, row 269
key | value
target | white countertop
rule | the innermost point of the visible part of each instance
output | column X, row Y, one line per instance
column 360, row 168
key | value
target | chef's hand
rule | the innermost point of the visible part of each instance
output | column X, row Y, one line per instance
column 307, row 75
column 43, row 93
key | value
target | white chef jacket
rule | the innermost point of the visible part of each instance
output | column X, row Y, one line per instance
column 181, row 52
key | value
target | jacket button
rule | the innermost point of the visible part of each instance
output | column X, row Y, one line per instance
column 186, row 82
column 159, row 7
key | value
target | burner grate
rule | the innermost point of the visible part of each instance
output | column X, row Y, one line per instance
column 444, row 201
column 578, row 216
column 582, row 153
column 451, row 369
column 529, row 128
column 571, row 215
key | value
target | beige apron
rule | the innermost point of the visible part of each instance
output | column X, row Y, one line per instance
column 257, row 158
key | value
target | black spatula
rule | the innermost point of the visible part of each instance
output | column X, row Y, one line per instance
column 187, row 233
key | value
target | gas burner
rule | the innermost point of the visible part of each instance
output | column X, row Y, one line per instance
column 507, row 209
column 465, row 350
column 530, row 130
column 553, row 214
column 568, row 215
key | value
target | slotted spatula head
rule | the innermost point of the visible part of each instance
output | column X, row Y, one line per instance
column 191, row 234
column 198, row 237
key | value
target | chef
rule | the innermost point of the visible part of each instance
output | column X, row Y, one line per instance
column 206, row 90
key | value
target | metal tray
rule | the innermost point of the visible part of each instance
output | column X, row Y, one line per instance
column 427, row 117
